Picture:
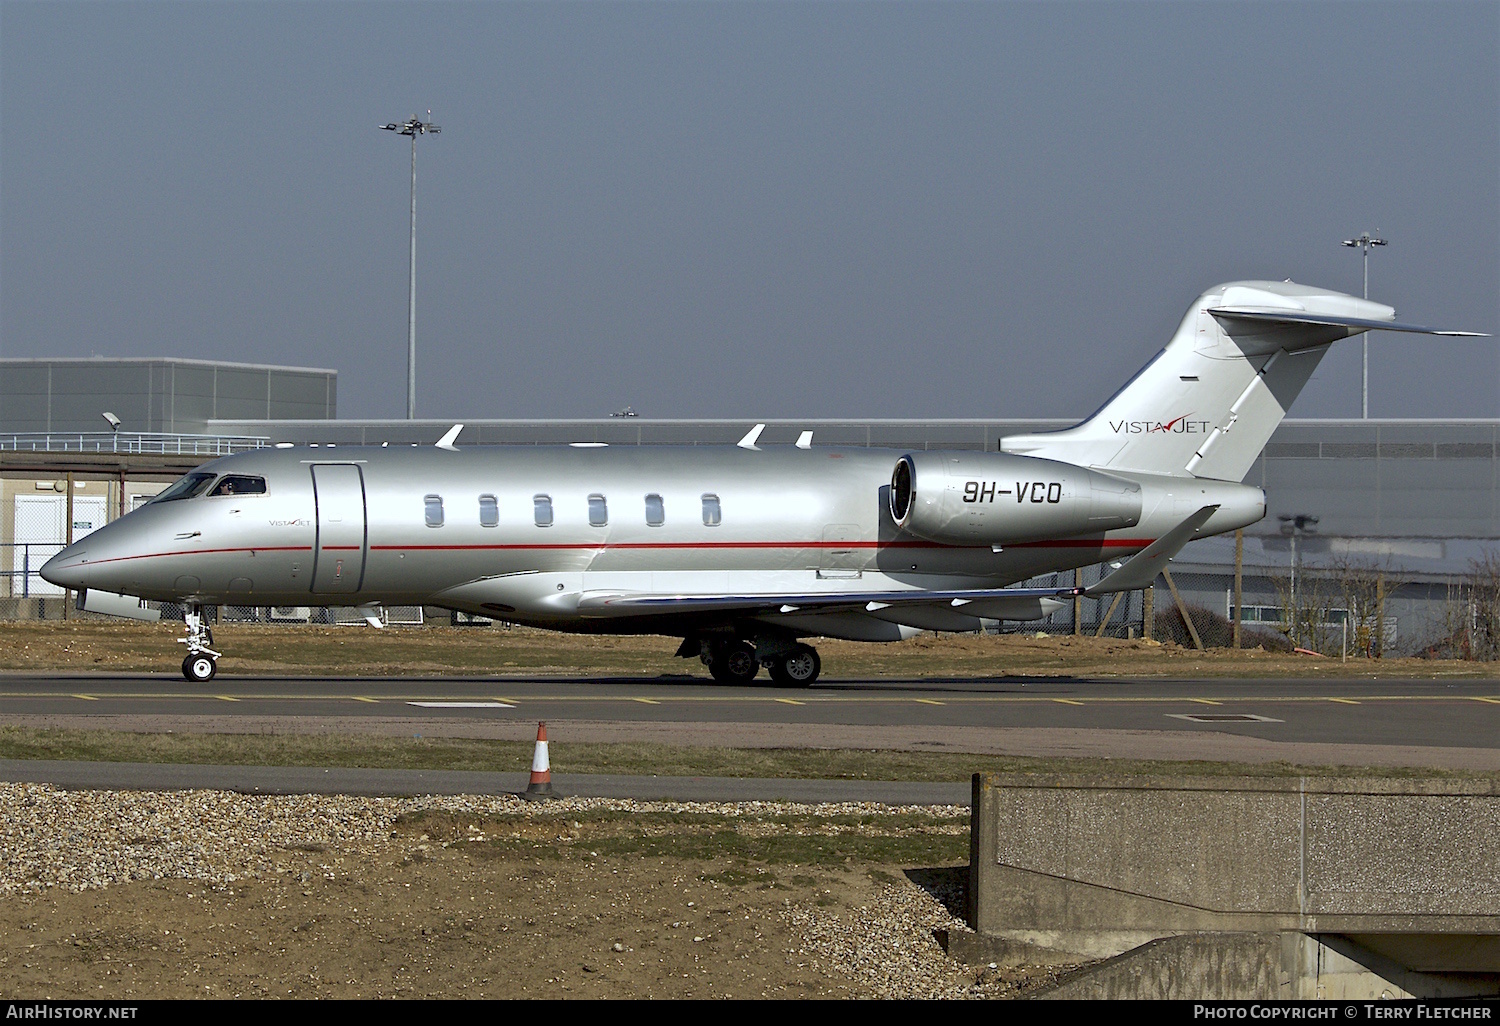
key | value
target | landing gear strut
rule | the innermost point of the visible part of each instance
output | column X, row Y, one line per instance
column 202, row 661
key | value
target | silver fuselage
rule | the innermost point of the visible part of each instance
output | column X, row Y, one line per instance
column 353, row 526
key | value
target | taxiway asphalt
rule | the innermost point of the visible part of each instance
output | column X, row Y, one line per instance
column 1435, row 723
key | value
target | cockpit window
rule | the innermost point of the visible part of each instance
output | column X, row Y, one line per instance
column 240, row 484
column 186, row 487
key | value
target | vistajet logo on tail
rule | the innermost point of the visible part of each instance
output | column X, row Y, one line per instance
column 1179, row 426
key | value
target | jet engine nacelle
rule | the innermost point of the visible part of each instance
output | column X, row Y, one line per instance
column 995, row 498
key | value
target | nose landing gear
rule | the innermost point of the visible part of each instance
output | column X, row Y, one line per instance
column 202, row 662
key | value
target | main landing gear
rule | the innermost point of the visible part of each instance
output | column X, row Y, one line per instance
column 202, row 661
column 791, row 664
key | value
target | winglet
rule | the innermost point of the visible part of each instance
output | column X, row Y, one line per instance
column 804, row 440
column 1141, row 569
column 446, row 442
column 748, row 442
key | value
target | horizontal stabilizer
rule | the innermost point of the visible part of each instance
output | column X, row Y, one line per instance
column 1361, row 323
column 1141, row 569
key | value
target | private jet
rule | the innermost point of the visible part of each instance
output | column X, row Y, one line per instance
column 746, row 551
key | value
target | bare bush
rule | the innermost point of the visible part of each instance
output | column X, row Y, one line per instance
column 1214, row 630
column 1471, row 618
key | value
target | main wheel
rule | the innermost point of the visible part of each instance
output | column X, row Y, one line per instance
column 798, row 668
column 199, row 669
column 734, row 664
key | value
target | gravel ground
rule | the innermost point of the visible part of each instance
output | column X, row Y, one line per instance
column 124, row 864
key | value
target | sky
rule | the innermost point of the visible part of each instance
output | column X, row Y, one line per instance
column 746, row 210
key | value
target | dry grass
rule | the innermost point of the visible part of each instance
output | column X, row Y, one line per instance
column 95, row 645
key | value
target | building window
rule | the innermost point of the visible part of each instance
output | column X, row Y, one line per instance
column 655, row 513
column 434, row 506
column 489, row 511
column 542, row 508
column 598, row 511
column 711, row 515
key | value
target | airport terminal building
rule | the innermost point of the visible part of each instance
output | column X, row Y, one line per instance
column 1387, row 520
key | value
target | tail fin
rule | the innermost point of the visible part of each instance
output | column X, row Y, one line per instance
column 1208, row 402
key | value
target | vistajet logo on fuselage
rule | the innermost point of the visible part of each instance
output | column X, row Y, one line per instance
column 1179, row 426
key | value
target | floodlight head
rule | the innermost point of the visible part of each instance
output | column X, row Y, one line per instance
column 112, row 420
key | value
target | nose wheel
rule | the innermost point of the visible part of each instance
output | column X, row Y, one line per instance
column 202, row 661
column 200, row 669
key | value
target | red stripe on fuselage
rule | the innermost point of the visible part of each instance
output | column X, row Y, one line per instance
column 1065, row 543
column 192, row 552
column 1071, row 543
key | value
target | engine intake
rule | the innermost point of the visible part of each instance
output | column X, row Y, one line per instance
column 997, row 498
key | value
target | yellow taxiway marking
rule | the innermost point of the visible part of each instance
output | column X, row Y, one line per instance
column 1068, row 701
column 646, row 701
column 789, row 701
column 1205, row 701
column 226, row 698
column 928, row 701
column 362, row 698
column 87, row 698
column 1477, row 698
column 1344, row 701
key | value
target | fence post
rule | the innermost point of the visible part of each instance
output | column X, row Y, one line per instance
column 1239, row 564
column 1379, row 616
column 68, row 534
column 1181, row 608
column 1103, row 623
column 1147, row 611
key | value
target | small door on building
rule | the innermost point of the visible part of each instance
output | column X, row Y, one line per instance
column 339, row 556
column 40, row 532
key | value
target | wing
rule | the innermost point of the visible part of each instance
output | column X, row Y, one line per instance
column 994, row 603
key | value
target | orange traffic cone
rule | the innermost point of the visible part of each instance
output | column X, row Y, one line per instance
column 540, row 788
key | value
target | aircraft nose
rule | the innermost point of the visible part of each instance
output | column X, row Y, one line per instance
column 68, row 569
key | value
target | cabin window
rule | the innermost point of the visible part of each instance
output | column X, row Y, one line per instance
column 489, row 511
column 655, row 514
column 185, row 488
column 434, row 508
column 598, row 511
column 711, row 514
column 541, row 506
column 239, row 484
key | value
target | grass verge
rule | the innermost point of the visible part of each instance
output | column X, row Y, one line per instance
column 323, row 750
column 773, row 840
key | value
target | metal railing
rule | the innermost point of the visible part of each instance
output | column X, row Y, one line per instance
column 141, row 443
column 19, row 563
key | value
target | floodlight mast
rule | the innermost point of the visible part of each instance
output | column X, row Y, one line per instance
column 413, row 126
column 1363, row 242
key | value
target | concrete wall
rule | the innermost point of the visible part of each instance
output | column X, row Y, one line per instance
column 1258, row 967
column 1091, row 867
